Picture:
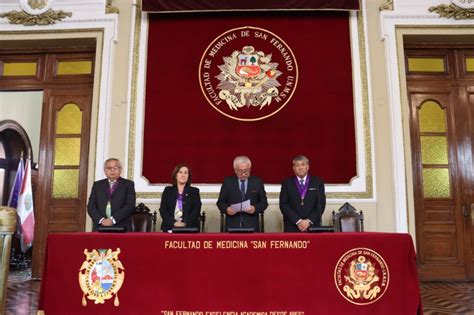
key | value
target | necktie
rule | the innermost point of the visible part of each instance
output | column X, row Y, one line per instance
column 242, row 188
column 302, row 182
column 108, row 208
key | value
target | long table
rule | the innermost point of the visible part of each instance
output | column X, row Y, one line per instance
column 230, row 274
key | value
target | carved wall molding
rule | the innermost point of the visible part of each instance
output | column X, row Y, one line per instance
column 47, row 18
column 388, row 6
column 452, row 11
column 35, row 7
column 110, row 9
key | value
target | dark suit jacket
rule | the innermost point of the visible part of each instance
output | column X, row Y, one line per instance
column 290, row 203
column 191, row 207
column 230, row 194
column 122, row 201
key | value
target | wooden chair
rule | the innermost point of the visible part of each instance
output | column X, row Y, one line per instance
column 347, row 219
column 261, row 223
column 142, row 219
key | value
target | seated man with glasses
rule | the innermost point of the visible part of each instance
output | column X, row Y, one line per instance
column 112, row 200
column 242, row 197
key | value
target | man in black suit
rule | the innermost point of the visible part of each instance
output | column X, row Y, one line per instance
column 302, row 198
column 238, row 188
column 112, row 200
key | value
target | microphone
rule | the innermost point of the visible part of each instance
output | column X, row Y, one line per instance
column 241, row 228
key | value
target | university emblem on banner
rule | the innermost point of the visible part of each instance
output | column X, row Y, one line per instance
column 101, row 276
column 361, row 276
column 248, row 74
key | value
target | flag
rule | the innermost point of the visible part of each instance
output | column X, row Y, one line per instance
column 25, row 210
column 13, row 200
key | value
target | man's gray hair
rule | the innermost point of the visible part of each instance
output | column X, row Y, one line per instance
column 300, row 158
column 113, row 159
column 241, row 159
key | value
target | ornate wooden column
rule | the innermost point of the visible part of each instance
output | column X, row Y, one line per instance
column 7, row 228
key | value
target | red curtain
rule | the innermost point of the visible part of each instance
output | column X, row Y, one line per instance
column 207, row 5
column 182, row 126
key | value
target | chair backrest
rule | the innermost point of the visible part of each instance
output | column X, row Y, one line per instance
column 261, row 223
column 347, row 219
column 141, row 222
column 142, row 219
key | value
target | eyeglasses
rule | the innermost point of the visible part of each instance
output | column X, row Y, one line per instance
column 112, row 168
column 245, row 171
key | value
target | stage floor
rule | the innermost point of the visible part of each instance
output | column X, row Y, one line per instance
column 437, row 297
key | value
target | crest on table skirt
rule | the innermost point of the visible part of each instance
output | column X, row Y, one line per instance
column 101, row 276
column 361, row 276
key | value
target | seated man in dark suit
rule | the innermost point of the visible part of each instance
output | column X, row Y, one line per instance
column 302, row 198
column 112, row 200
column 238, row 188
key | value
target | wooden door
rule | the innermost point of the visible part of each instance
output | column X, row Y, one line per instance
column 64, row 152
column 468, row 171
column 441, row 126
column 66, row 77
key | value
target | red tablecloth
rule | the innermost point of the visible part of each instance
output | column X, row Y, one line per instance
column 238, row 274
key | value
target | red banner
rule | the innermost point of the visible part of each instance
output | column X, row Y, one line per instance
column 269, row 86
column 220, row 5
